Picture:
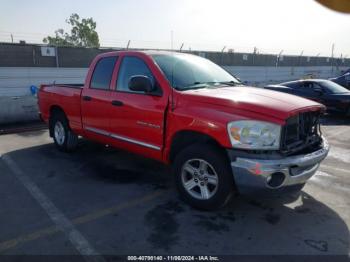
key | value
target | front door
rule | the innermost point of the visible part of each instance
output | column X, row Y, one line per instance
column 137, row 120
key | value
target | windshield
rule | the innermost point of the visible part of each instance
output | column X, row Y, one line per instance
column 185, row 71
column 333, row 88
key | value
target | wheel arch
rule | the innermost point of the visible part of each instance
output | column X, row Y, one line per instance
column 55, row 109
column 185, row 138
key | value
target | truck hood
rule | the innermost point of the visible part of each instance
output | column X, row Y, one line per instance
column 270, row 103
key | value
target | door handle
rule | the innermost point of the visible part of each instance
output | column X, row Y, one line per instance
column 87, row 98
column 117, row 103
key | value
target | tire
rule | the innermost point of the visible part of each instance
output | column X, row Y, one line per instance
column 64, row 138
column 187, row 171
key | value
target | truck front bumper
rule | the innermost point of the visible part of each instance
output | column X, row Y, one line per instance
column 275, row 175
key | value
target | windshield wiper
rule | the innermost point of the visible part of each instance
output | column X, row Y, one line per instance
column 197, row 85
column 216, row 83
column 213, row 84
column 230, row 83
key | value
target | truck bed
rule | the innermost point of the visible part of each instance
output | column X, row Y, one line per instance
column 65, row 96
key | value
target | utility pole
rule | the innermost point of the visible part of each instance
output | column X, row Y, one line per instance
column 301, row 54
column 255, row 51
column 222, row 55
column 278, row 58
column 182, row 45
column 12, row 38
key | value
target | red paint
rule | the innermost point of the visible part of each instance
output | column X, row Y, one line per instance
column 206, row 111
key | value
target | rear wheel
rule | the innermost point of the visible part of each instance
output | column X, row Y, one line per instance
column 65, row 139
column 203, row 177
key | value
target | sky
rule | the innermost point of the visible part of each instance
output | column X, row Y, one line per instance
column 271, row 26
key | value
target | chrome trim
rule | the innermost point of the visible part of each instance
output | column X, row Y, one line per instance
column 135, row 141
column 126, row 139
column 141, row 123
column 98, row 131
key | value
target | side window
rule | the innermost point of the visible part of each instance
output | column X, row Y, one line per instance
column 132, row 66
column 102, row 75
column 311, row 88
column 307, row 86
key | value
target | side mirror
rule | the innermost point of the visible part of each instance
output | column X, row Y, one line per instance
column 141, row 84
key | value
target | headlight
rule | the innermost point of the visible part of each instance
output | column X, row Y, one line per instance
column 249, row 134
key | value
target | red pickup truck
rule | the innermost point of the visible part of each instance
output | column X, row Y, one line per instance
column 220, row 137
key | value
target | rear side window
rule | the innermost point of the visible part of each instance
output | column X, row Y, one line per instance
column 293, row 85
column 101, row 78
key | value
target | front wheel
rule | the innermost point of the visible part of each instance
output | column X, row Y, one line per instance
column 203, row 177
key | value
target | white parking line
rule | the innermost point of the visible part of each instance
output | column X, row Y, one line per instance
column 58, row 218
column 335, row 133
column 335, row 168
column 325, row 180
column 324, row 174
column 340, row 154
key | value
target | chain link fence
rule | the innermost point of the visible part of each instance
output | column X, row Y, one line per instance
column 30, row 55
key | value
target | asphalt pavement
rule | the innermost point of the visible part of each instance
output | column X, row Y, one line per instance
column 100, row 200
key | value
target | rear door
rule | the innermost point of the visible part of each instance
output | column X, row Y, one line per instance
column 137, row 119
column 96, row 98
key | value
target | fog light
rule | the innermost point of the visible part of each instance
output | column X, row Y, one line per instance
column 276, row 180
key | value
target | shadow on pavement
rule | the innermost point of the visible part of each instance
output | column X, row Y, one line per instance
column 245, row 226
